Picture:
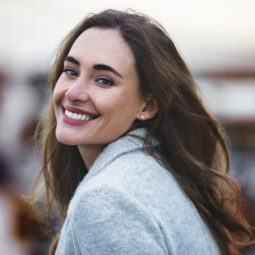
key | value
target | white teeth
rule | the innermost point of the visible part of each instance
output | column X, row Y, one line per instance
column 75, row 116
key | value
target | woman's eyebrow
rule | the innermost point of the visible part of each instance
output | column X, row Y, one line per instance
column 96, row 66
column 72, row 60
column 106, row 68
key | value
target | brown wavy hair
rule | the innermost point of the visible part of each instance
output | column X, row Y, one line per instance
column 191, row 142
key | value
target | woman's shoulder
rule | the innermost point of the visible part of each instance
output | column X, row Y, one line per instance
column 127, row 191
column 127, row 186
column 137, row 177
column 125, row 165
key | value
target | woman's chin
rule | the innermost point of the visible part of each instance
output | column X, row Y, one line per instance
column 65, row 139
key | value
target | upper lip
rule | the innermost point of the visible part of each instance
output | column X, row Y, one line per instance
column 79, row 111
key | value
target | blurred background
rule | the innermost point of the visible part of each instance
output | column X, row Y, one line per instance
column 216, row 39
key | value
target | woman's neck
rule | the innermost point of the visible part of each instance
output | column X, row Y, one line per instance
column 89, row 153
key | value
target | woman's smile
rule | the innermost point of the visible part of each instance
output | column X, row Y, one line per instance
column 77, row 117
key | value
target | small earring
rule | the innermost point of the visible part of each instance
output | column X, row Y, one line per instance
column 142, row 117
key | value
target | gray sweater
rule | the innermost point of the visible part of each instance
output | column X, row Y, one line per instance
column 128, row 204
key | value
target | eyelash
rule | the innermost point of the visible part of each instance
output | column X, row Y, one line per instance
column 102, row 81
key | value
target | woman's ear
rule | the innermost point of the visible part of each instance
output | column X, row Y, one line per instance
column 149, row 109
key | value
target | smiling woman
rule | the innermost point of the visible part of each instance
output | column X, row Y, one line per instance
column 96, row 98
column 132, row 157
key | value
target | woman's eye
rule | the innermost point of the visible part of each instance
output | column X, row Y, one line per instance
column 104, row 82
column 70, row 72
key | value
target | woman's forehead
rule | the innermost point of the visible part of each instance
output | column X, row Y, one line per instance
column 103, row 45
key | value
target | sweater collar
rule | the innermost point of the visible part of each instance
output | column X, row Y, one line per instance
column 132, row 141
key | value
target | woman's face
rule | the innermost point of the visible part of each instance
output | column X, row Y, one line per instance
column 96, row 98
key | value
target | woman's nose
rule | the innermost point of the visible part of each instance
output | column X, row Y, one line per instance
column 77, row 92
